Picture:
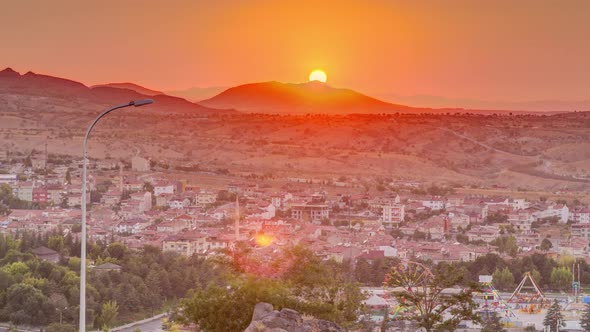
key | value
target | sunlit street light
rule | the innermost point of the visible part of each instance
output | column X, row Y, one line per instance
column 135, row 103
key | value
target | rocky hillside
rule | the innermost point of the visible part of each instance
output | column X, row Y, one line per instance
column 266, row 319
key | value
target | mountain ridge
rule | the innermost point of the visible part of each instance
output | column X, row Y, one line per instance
column 131, row 86
column 311, row 97
column 32, row 84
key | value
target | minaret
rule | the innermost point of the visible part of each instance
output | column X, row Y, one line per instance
column 46, row 158
column 121, row 177
column 237, row 222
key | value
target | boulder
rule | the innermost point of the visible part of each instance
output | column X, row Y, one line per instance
column 266, row 319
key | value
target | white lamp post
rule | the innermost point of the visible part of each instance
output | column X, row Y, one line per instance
column 82, row 322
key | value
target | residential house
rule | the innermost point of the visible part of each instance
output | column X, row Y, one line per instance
column 580, row 215
column 392, row 214
column 581, row 230
column 132, row 226
column 10, row 179
column 55, row 194
column 46, row 254
column 111, row 197
column 40, row 195
column 521, row 219
column 143, row 199
column 436, row 227
column 133, row 185
column 458, row 220
column 310, row 212
column 185, row 243
column 163, row 188
column 560, row 211
column 24, row 191
column 263, row 210
column 433, row 203
column 162, row 199
column 173, row 226
column 178, row 202
column 204, row 198
column 483, row 233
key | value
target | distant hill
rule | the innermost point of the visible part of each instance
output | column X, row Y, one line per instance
column 522, row 106
column 196, row 94
column 76, row 93
column 130, row 86
column 312, row 97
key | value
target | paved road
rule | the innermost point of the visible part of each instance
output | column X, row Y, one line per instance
column 152, row 326
column 6, row 329
column 485, row 145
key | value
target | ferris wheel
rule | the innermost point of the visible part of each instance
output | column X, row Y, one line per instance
column 409, row 275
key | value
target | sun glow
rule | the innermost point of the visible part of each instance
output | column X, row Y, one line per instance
column 263, row 240
column 318, row 75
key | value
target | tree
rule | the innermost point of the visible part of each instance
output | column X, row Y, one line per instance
column 27, row 305
column 8, row 201
column 4, row 209
column 397, row 233
column 109, row 313
column 561, row 278
column 117, row 250
column 507, row 244
column 554, row 318
column 56, row 242
column 546, row 244
column 423, row 291
column 503, row 279
column 536, row 276
column 496, row 218
column 153, row 298
column 585, row 320
column 492, row 323
column 337, row 298
column 462, row 238
column 95, row 196
column 64, row 201
column 219, row 309
column 16, row 269
column 60, row 303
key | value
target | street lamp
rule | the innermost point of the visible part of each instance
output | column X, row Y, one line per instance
column 135, row 103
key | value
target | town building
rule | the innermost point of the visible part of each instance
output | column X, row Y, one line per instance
column 392, row 214
column 310, row 212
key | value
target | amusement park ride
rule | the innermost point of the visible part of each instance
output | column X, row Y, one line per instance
column 492, row 301
column 528, row 298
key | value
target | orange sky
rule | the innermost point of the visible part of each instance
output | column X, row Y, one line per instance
column 494, row 50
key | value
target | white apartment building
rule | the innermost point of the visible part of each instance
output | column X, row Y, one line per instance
column 392, row 214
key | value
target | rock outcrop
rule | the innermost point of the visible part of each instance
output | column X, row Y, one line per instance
column 266, row 319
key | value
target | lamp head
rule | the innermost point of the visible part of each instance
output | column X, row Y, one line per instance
column 141, row 102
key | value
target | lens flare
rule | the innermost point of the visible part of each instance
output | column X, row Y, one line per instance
column 263, row 240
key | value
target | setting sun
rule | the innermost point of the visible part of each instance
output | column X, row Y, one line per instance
column 318, row 75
